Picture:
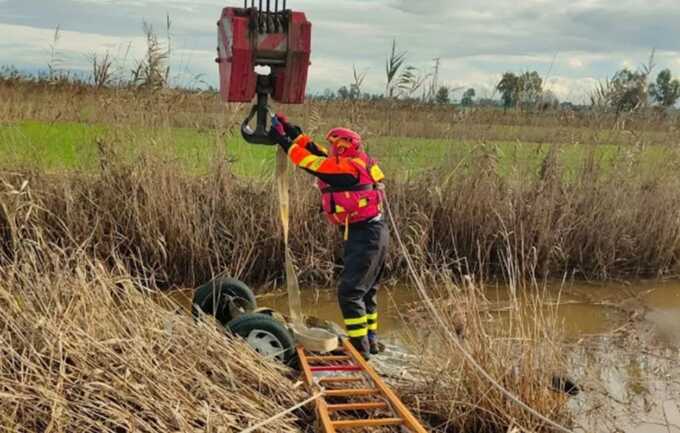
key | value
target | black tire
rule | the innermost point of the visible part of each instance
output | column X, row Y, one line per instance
column 266, row 335
column 213, row 298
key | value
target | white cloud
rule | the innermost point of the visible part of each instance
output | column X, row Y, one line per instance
column 577, row 41
column 571, row 89
column 575, row 62
column 31, row 46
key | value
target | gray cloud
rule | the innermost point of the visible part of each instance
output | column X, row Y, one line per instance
column 579, row 40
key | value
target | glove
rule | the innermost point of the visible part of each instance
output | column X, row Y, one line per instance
column 278, row 135
column 292, row 131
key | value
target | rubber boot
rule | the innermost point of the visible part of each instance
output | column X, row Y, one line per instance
column 362, row 345
column 373, row 343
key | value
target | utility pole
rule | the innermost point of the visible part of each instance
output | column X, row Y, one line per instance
column 435, row 78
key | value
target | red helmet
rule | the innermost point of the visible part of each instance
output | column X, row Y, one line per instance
column 353, row 138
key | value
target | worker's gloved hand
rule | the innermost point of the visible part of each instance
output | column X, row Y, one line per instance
column 292, row 131
column 277, row 134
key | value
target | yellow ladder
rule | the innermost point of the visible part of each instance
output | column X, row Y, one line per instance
column 356, row 390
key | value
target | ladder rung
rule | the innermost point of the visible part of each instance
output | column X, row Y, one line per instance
column 341, row 379
column 343, row 367
column 328, row 358
column 350, row 392
column 369, row 405
column 354, row 423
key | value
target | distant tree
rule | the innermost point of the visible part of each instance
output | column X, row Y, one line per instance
column 442, row 96
column 626, row 91
column 488, row 102
column 468, row 98
column 508, row 88
column 524, row 90
column 666, row 91
column 549, row 101
column 567, row 106
column 343, row 93
column 529, row 89
column 328, row 95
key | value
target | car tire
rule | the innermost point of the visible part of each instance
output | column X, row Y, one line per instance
column 214, row 298
column 269, row 337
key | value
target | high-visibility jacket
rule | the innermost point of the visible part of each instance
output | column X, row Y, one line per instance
column 361, row 202
column 351, row 187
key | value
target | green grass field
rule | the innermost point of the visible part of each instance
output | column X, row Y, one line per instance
column 76, row 146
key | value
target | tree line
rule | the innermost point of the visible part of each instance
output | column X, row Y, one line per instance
column 626, row 90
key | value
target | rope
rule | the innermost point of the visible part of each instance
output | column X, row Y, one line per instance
column 294, row 299
column 440, row 320
column 284, row 413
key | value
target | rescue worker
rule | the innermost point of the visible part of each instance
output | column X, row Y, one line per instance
column 352, row 195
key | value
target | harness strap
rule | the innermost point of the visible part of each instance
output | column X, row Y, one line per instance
column 370, row 187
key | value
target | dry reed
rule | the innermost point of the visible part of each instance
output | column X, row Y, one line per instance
column 45, row 100
column 177, row 229
column 85, row 349
column 520, row 347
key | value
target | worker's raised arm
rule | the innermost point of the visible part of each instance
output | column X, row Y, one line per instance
column 338, row 172
column 312, row 158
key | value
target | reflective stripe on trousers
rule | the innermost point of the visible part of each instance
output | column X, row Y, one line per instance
column 372, row 321
column 357, row 327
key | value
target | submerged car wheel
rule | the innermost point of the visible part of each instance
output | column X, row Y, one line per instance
column 266, row 335
column 223, row 298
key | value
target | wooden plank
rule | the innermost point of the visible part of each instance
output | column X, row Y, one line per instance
column 376, row 422
column 401, row 410
column 338, row 379
column 369, row 405
column 328, row 358
column 321, row 405
column 352, row 392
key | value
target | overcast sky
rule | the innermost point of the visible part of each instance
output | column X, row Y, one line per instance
column 574, row 43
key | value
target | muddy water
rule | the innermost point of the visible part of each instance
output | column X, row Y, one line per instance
column 639, row 373
column 585, row 310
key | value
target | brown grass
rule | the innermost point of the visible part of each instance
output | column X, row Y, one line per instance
column 67, row 101
column 87, row 349
column 611, row 216
column 520, row 347
column 175, row 229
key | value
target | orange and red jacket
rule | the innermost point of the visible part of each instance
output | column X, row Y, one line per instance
column 339, row 177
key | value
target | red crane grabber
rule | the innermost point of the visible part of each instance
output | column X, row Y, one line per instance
column 269, row 36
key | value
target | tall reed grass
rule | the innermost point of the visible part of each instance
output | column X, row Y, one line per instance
column 46, row 100
column 85, row 348
column 521, row 348
column 178, row 229
column 600, row 215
